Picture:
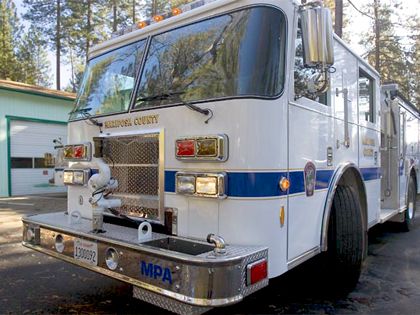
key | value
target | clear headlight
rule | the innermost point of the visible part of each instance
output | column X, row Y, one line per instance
column 210, row 185
column 79, row 178
column 185, row 184
column 206, row 185
column 68, row 177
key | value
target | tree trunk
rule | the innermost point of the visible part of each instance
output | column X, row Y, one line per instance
column 154, row 7
column 377, row 35
column 134, row 12
column 73, row 77
column 58, row 45
column 114, row 22
column 88, row 28
column 338, row 25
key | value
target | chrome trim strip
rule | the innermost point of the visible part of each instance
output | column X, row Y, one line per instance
column 147, row 249
column 304, row 257
column 161, row 167
column 135, row 282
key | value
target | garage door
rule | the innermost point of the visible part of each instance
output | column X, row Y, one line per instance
column 29, row 141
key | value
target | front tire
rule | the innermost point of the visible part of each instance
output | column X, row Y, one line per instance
column 409, row 214
column 346, row 241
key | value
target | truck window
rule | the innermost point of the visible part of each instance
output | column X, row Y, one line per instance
column 239, row 54
column 366, row 98
column 108, row 81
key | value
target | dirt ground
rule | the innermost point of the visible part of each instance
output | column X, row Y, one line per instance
column 32, row 283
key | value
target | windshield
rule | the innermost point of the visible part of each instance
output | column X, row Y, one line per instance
column 108, row 81
column 238, row 54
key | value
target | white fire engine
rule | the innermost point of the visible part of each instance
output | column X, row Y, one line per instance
column 224, row 143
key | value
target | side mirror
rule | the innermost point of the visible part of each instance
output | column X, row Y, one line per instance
column 317, row 36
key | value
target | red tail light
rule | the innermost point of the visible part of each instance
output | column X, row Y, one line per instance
column 257, row 271
column 185, row 148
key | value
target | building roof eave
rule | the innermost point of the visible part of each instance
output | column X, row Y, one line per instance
column 36, row 90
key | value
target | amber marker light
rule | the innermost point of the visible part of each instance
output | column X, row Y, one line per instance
column 282, row 216
column 284, row 184
column 158, row 18
column 141, row 24
column 68, row 152
column 176, row 11
column 207, row 147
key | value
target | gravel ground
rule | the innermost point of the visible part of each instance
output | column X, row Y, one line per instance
column 33, row 283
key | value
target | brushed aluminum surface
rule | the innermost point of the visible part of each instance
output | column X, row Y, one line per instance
column 193, row 277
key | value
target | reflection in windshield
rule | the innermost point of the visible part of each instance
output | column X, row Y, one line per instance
column 238, row 54
column 108, row 81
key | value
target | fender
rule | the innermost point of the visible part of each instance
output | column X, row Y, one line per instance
column 338, row 174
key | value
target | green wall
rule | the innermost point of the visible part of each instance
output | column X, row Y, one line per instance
column 22, row 104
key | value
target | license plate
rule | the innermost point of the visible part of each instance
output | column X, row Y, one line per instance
column 86, row 251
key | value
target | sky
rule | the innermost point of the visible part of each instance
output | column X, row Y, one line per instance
column 358, row 25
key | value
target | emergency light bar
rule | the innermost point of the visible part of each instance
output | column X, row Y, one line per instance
column 160, row 17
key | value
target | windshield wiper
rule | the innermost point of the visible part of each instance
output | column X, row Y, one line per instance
column 159, row 97
column 169, row 95
column 86, row 115
column 80, row 110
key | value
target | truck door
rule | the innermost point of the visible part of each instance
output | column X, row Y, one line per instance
column 402, row 152
column 390, row 156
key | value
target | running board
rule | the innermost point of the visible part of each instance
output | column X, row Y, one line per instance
column 387, row 214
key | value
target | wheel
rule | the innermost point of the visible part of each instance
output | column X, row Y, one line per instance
column 346, row 241
column 411, row 206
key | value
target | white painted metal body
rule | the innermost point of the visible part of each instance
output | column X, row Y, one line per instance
column 267, row 138
column 400, row 145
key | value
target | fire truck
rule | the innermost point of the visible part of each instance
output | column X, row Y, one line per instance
column 222, row 144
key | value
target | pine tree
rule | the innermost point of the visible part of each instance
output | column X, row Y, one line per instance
column 33, row 60
column 331, row 4
column 85, row 25
column 47, row 15
column 414, row 62
column 119, row 14
column 8, row 18
column 384, row 49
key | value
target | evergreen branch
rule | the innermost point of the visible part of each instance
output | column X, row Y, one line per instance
column 360, row 11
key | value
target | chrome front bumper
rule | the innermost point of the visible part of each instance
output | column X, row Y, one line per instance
column 198, row 277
